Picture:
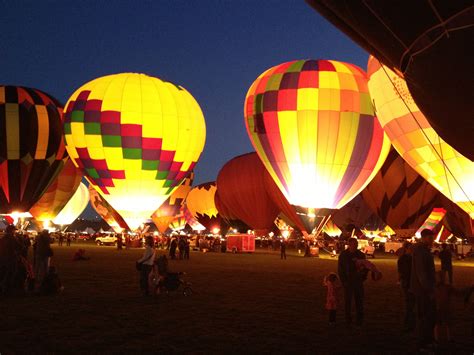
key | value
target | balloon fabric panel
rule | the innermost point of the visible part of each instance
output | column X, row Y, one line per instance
column 32, row 149
column 74, row 207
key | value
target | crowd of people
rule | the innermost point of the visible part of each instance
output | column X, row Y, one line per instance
column 426, row 294
column 17, row 273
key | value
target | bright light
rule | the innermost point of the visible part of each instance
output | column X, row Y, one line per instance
column 215, row 230
column 285, row 234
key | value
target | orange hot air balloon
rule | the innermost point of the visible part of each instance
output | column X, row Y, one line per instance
column 106, row 211
column 241, row 187
column 200, row 202
column 416, row 141
column 58, row 194
column 313, row 126
column 166, row 213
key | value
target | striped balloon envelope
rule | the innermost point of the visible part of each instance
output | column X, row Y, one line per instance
column 399, row 195
column 166, row 213
column 32, row 149
column 58, row 194
column 313, row 126
column 136, row 137
column 416, row 141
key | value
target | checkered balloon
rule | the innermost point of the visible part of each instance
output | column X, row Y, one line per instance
column 313, row 126
column 136, row 137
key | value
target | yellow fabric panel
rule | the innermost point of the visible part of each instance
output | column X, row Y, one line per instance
column 168, row 106
column 93, row 142
column 328, row 80
column 152, row 127
column 112, row 92
column 70, row 148
column 96, row 153
column 78, row 138
column 366, row 107
column 114, row 158
column 287, row 121
column 307, row 99
column 341, row 67
column 12, row 124
column 307, row 133
column 132, row 168
column 43, row 132
column 348, row 127
column 329, row 100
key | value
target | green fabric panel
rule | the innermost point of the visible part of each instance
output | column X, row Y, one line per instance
column 132, row 153
column 112, row 141
column 92, row 128
column 150, row 164
column 77, row 116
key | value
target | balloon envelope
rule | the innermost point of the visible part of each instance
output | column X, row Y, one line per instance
column 106, row 211
column 74, row 207
column 241, row 187
column 416, row 141
column 420, row 39
column 136, row 137
column 32, row 149
column 58, row 194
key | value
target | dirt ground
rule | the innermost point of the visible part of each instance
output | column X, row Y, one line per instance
column 242, row 303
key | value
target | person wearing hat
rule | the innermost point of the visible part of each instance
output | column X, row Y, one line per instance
column 9, row 250
column 422, row 285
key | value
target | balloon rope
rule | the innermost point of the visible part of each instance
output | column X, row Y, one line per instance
column 446, row 167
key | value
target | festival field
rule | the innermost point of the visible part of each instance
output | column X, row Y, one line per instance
column 242, row 304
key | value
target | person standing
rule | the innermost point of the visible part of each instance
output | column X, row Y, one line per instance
column 446, row 257
column 352, row 279
column 146, row 262
column 186, row 249
column 331, row 282
column 119, row 241
column 404, row 274
column 43, row 253
column 9, row 253
column 68, row 240
column 422, row 285
column 283, row 249
column 60, row 239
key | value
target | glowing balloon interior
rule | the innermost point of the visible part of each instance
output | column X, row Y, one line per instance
column 74, row 207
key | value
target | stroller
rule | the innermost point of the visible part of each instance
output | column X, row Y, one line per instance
column 173, row 281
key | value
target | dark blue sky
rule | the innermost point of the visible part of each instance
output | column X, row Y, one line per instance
column 215, row 49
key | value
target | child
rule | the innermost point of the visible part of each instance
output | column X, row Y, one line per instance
column 331, row 281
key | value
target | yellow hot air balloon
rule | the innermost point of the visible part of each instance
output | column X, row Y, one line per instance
column 416, row 141
column 136, row 137
column 74, row 207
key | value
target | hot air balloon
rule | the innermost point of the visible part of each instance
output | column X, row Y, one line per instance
column 416, row 141
column 107, row 212
column 58, row 194
column 191, row 221
column 179, row 221
column 241, row 187
column 74, row 207
column 31, row 146
column 166, row 213
column 200, row 202
column 399, row 195
column 313, row 126
column 227, row 214
column 420, row 39
column 136, row 137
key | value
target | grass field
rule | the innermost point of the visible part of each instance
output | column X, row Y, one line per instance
column 242, row 303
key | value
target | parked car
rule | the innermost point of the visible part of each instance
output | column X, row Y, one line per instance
column 392, row 247
column 106, row 239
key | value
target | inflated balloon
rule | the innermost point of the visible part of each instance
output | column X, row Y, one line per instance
column 241, row 187
column 191, row 221
column 227, row 214
column 416, row 141
column 420, row 39
column 312, row 124
column 399, row 195
column 136, row 137
column 107, row 212
column 166, row 213
column 58, row 194
column 74, row 207
column 179, row 221
column 31, row 146
column 200, row 202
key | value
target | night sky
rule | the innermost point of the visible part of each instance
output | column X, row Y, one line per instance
column 215, row 49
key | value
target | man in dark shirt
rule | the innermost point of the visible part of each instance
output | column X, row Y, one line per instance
column 283, row 249
column 9, row 253
column 404, row 274
column 352, row 280
column 422, row 284
column 446, row 262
